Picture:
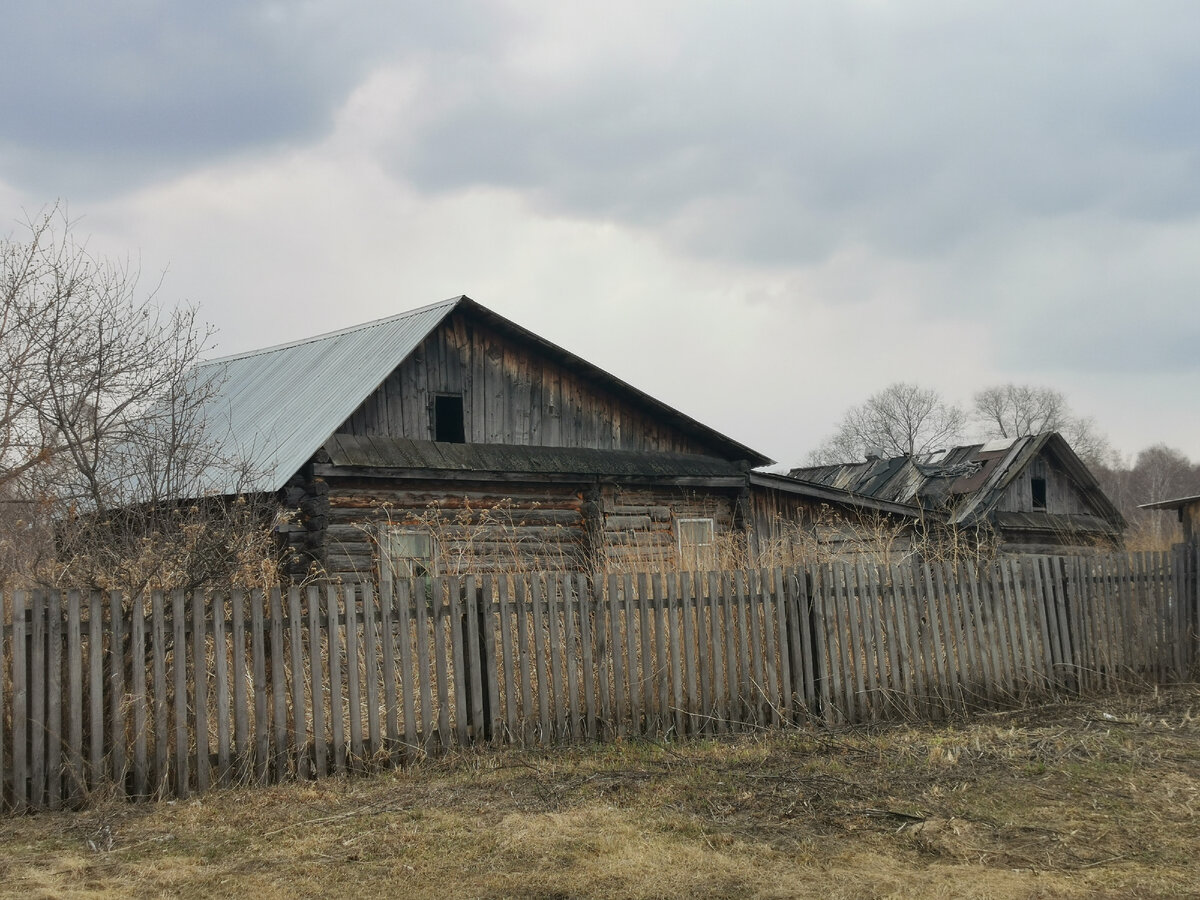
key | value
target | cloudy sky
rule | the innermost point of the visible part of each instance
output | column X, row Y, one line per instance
column 758, row 212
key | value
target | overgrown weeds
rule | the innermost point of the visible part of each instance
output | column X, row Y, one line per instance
column 1090, row 798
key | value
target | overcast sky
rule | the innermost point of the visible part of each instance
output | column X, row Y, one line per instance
column 758, row 212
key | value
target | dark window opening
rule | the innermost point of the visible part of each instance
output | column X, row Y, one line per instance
column 448, row 419
column 1039, row 493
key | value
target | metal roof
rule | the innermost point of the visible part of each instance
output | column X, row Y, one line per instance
column 272, row 409
column 376, row 452
column 1176, row 503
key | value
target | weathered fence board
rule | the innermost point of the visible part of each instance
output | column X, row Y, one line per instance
column 98, row 693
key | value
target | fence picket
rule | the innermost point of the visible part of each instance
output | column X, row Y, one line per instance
column 691, row 653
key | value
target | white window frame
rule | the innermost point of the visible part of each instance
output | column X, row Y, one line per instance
column 695, row 549
column 391, row 556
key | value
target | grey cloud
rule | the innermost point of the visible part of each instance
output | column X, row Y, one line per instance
column 772, row 135
column 103, row 96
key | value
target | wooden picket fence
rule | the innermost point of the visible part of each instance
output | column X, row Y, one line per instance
column 165, row 697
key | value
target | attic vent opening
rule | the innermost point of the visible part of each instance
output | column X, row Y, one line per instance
column 448, row 423
column 1039, row 492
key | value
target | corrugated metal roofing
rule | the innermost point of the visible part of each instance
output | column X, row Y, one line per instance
column 402, row 453
column 273, row 408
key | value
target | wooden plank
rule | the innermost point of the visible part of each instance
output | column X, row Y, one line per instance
column 20, row 701
column 545, row 725
column 54, row 730
column 179, row 672
column 770, row 665
column 934, row 647
column 719, row 704
column 137, row 699
column 600, row 633
column 1025, row 635
column 354, row 698
column 391, row 708
column 337, row 700
column 1021, row 680
column 862, row 611
column 1067, row 637
column 616, row 644
column 200, row 690
column 117, row 641
column 631, row 643
column 488, row 622
column 945, row 624
column 733, row 693
column 409, row 683
column 760, row 715
column 662, row 663
column 258, row 653
column 243, row 754
column 583, row 605
column 800, row 634
column 999, row 619
column 77, row 786
column 278, row 686
column 440, row 647
column 968, row 660
column 574, row 706
column 221, row 686
column 299, row 718
column 95, row 689
column 787, row 689
column 549, row 592
column 986, row 645
column 857, row 701
column 831, row 687
column 901, row 640
column 691, row 660
column 673, row 629
column 745, row 704
column 1041, row 599
column 507, row 667
column 371, row 672
column 524, row 661
column 893, row 687
column 473, row 658
column 37, row 701
column 421, row 598
column 316, row 682
column 909, row 612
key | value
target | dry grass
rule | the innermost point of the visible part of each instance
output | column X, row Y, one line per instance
column 1095, row 798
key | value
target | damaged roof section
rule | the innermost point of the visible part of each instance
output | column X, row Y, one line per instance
column 968, row 484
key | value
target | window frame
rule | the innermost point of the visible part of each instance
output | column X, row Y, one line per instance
column 389, row 560
column 699, row 547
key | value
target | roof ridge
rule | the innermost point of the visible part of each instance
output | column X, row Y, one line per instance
column 362, row 326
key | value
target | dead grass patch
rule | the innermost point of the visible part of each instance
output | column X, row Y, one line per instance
column 1095, row 798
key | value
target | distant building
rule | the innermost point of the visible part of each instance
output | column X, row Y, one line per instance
column 1032, row 493
column 1188, row 509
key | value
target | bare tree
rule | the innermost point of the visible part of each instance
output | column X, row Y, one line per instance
column 902, row 419
column 1158, row 473
column 102, row 421
column 1012, row 411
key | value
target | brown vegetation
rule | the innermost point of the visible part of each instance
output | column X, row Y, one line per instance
column 1090, row 798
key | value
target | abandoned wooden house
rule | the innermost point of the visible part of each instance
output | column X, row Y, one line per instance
column 1029, row 494
column 450, row 439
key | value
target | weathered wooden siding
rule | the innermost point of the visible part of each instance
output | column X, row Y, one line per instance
column 1062, row 496
column 511, row 394
column 639, row 524
column 478, row 527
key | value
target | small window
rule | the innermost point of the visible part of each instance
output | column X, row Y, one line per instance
column 405, row 553
column 697, row 545
column 448, row 425
column 1039, row 492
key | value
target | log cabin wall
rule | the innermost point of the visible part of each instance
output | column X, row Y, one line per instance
column 640, row 525
column 511, row 393
column 477, row 527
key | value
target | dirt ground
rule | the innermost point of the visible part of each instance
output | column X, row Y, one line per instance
column 1094, row 798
